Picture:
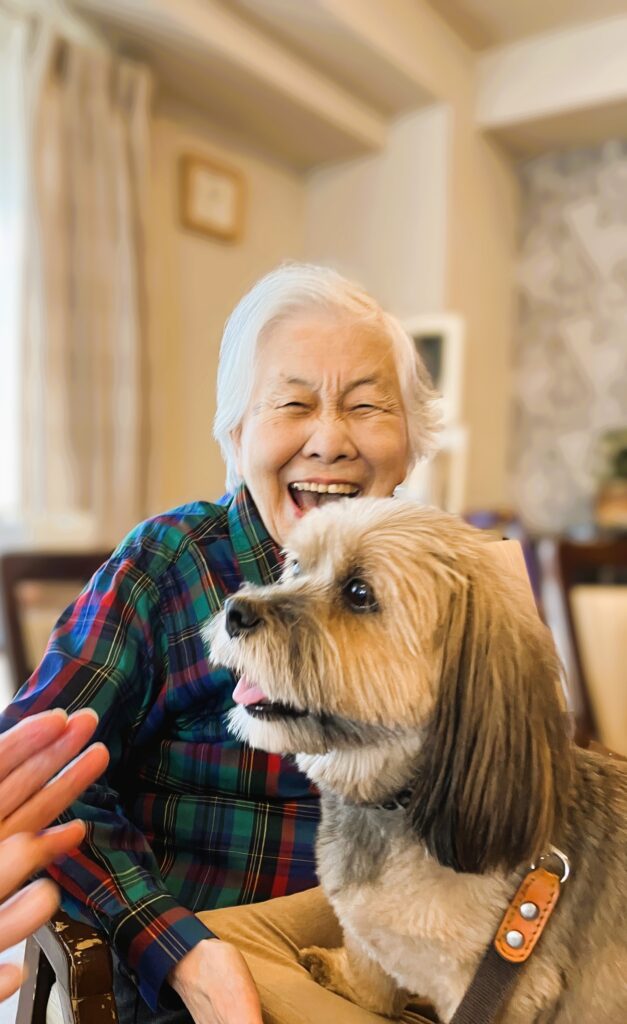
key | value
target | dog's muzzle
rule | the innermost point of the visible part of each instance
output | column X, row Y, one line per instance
column 240, row 617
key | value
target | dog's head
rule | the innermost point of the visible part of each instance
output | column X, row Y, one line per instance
column 394, row 649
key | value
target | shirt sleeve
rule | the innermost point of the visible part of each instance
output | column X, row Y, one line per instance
column 107, row 652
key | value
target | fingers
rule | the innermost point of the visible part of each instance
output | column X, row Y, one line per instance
column 28, row 737
column 25, row 912
column 54, row 798
column 39, row 766
column 11, row 977
column 26, row 802
column 23, row 855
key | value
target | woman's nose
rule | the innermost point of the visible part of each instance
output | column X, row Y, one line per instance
column 329, row 440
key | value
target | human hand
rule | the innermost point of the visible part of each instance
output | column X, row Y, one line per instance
column 216, row 986
column 31, row 753
column 32, row 794
column 21, row 856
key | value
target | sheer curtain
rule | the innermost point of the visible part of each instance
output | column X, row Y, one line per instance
column 13, row 47
column 84, row 332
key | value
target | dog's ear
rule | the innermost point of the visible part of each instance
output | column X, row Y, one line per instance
column 494, row 768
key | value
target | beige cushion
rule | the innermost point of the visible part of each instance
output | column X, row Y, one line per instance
column 600, row 619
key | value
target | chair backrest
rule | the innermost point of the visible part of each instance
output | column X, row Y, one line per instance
column 578, row 568
column 505, row 524
column 35, row 587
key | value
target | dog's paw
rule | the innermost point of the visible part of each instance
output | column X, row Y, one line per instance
column 372, row 991
column 318, row 962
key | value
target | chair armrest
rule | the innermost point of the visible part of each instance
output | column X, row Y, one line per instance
column 81, row 960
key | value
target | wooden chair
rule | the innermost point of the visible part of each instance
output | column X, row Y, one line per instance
column 78, row 959
column 21, row 570
column 503, row 523
column 570, row 565
column 74, row 955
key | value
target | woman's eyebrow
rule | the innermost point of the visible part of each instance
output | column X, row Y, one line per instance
column 375, row 382
column 360, row 383
column 283, row 381
column 279, row 387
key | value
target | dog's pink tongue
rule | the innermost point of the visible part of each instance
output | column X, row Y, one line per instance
column 248, row 692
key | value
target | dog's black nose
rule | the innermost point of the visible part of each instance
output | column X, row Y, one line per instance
column 240, row 616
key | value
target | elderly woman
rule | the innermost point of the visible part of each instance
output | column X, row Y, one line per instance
column 320, row 396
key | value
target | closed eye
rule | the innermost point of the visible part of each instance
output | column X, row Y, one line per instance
column 366, row 407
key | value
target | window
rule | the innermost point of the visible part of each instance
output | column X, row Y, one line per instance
column 13, row 38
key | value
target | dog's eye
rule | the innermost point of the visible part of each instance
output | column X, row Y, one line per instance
column 359, row 595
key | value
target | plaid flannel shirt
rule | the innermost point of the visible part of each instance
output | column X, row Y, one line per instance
column 186, row 818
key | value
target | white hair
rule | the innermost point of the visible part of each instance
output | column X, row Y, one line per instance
column 299, row 287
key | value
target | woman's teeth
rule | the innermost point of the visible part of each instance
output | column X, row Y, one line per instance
column 349, row 489
column 310, row 495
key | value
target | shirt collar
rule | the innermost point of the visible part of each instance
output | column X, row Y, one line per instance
column 258, row 555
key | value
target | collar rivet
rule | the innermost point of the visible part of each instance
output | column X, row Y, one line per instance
column 514, row 939
column 529, row 911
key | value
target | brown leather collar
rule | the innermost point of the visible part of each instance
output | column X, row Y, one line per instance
column 520, row 929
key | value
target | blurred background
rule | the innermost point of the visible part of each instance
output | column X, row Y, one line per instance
column 466, row 160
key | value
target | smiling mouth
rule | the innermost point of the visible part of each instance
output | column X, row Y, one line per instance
column 307, row 495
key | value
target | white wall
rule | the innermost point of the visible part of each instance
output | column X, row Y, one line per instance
column 382, row 219
column 195, row 281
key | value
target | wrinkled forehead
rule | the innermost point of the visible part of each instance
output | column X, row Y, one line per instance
column 301, row 345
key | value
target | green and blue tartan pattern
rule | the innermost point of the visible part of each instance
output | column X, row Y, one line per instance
column 187, row 818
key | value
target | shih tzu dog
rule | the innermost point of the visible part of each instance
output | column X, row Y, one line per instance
column 394, row 658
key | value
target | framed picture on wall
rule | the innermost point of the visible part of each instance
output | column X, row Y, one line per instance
column 439, row 339
column 441, row 481
column 211, row 198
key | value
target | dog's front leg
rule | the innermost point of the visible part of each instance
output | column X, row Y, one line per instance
column 352, row 973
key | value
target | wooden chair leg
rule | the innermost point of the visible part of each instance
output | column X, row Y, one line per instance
column 35, row 992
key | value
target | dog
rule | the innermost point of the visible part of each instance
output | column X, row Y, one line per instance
column 393, row 656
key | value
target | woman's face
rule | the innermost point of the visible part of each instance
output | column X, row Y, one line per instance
column 325, row 419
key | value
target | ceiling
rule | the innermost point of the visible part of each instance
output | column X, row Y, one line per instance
column 287, row 74
column 307, row 29
column 485, row 23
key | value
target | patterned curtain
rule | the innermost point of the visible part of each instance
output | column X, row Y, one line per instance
column 85, row 361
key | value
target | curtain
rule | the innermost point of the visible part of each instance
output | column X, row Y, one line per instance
column 13, row 44
column 85, row 397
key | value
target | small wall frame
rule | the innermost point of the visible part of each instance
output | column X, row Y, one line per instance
column 439, row 338
column 211, row 198
column 441, row 481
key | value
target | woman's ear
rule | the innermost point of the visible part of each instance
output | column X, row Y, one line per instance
column 494, row 766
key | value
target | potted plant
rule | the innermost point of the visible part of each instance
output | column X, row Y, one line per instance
column 611, row 501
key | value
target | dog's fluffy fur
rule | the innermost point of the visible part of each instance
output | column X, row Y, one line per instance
column 447, row 683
